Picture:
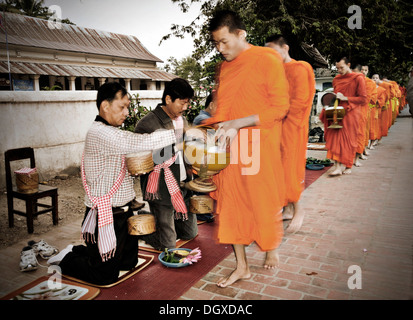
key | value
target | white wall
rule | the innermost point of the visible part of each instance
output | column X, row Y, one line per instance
column 54, row 123
column 319, row 82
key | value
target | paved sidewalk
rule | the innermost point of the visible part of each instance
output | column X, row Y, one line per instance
column 363, row 220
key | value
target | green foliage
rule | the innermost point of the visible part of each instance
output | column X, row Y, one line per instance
column 187, row 68
column 325, row 162
column 136, row 112
column 170, row 257
column 200, row 77
column 385, row 41
column 32, row 8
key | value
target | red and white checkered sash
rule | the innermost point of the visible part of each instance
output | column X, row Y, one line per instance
column 173, row 187
column 103, row 204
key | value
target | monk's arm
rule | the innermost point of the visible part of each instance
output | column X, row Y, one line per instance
column 275, row 80
column 373, row 97
column 300, row 92
column 240, row 123
column 360, row 97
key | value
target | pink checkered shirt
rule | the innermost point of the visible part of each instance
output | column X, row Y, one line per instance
column 104, row 147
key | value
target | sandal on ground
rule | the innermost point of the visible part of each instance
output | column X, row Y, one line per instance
column 43, row 249
column 28, row 261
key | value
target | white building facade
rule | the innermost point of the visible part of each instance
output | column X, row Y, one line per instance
column 42, row 57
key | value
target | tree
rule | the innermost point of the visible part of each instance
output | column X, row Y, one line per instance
column 187, row 68
column 384, row 42
column 190, row 69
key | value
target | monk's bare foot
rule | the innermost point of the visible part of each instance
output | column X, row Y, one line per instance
column 363, row 157
column 357, row 162
column 233, row 277
column 347, row 171
column 294, row 225
column 287, row 212
column 271, row 260
column 297, row 221
column 337, row 169
column 366, row 153
column 336, row 172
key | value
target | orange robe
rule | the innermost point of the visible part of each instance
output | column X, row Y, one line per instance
column 386, row 110
column 249, row 205
column 371, row 90
column 300, row 76
column 364, row 111
column 381, row 102
column 402, row 99
column 395, row 100
column 341, row 144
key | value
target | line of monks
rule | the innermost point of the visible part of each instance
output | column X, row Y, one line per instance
column 371, row 105
column 258, row 88
column 387, row 99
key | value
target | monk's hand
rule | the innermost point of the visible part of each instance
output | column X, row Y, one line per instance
column 228, row 130
column 341, row 96
column 225, row 133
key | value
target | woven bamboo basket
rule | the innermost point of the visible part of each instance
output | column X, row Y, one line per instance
column 201, row 204
column 141, row 224
column 27, row 183
column 139, row 163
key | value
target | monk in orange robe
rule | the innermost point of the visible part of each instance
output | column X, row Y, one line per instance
column 300, row 76
column 386, row 109
column 375, row 133
column 371, row 91
column 381, row 103
column 252, row 94
column 341, row 144
column 392, row 104
column 396, row 94
column 402, row 99
column 363, row 120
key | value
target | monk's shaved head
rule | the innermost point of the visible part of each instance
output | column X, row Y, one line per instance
column 376, row 78
column 343, row 66
column 277, row 39
column 279, row 44
column 357, row 68
column 226, row 18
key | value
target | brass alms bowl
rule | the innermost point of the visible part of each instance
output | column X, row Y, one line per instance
column 204, row 156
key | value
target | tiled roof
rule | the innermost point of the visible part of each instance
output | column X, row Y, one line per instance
column 317, row 60
column 33, row 32
column 159, row 75
column 83, row 71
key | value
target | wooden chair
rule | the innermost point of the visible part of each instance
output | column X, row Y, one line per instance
column 31, row 199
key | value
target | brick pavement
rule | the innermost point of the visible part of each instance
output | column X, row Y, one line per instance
column 363, row 219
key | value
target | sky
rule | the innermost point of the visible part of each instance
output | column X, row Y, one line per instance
column 148, row 20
